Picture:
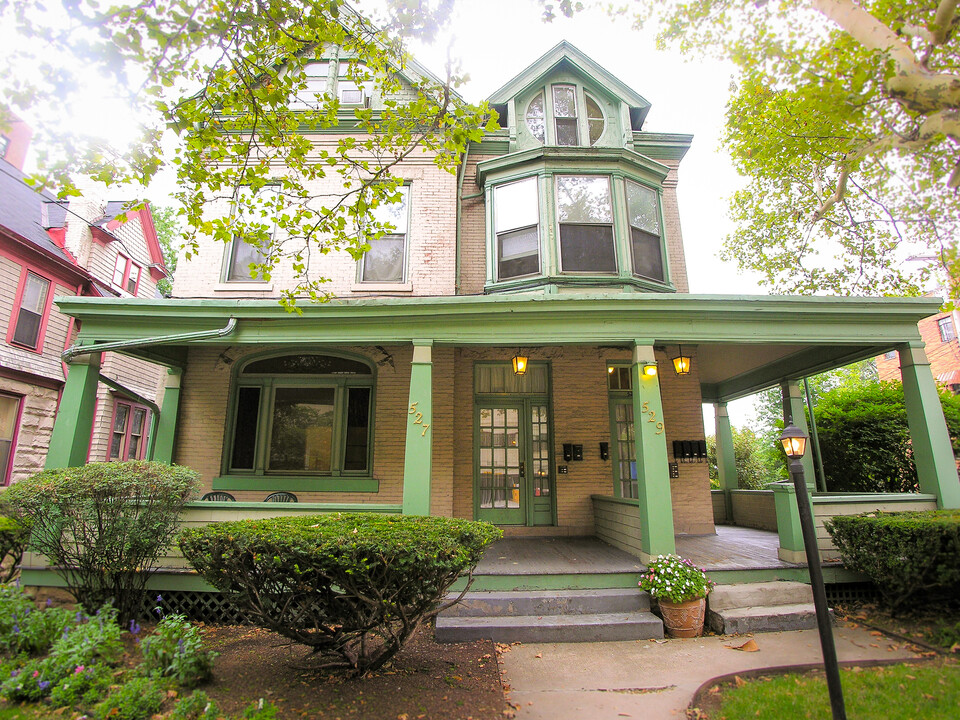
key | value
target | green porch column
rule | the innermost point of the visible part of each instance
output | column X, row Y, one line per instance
column 726, row 459
column 167, row 422
column 932, row 451
column 418, row 452
column 653, row 472
column 70, row 441
column 793, row 409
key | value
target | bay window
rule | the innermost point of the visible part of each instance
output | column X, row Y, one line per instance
column 517, row 223
column 585, row 215
column 643, row 212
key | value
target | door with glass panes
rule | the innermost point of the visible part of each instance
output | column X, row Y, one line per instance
column 513, row 480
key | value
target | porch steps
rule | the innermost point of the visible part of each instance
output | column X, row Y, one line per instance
column 761, row 607
column 550, row 616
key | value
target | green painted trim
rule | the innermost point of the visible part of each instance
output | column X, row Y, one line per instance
column 316, row 483
column 298, row 508
column 70, row 441
column 622, row 397
column 571, row 581
column 932, row 450
column 589, row 160
column 661, row 146
column 560, row 279
column 841, row 498
column 831, row 574
column 653, row 473
column 795, row 408
column 418, row 448
column 167, row 422
column 788, row 515
column 630, row 502
column 726, row 457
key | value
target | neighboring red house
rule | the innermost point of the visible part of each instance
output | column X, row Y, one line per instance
column 50, row 248
column 939, row 334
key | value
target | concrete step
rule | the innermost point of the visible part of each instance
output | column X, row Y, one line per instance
column 549, row 602
column 602, row 627
column 769, row 618
column 763, row 594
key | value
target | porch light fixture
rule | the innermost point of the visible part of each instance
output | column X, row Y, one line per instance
column 519, row 363
column 794, row 442
column 650, row 369
column 681, row 363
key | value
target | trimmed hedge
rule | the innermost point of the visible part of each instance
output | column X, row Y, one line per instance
column 351, row 586
column 104, row 525
column 912, row 557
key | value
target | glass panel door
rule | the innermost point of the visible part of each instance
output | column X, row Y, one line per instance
column 500, row 485
column 625, row 463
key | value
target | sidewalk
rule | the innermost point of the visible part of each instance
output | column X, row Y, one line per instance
column 656, row 680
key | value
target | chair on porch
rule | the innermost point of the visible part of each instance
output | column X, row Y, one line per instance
column 281, row 497
column 219, row 497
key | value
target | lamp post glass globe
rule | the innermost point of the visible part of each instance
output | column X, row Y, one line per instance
column 794, row 442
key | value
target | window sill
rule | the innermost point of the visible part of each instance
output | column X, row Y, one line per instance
column 241, row 286
column 272, row 483
column 382, row 287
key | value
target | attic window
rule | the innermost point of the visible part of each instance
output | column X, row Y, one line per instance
column 536, row 118
column 316, row 81
column 565, row 114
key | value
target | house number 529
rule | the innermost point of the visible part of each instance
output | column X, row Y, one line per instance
column 652, row 417
column 417, row 418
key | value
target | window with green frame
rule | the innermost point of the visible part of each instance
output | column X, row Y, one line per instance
column 623, row 449
column 302, row 414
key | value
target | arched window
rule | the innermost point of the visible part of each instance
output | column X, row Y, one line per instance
column 302, row 414
column 536, row 118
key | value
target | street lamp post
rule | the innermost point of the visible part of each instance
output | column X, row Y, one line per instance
column 794, row 444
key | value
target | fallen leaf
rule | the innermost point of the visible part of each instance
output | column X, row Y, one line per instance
column 539, row 655
column 739, row 681
column 749, row 646
column 402, row 716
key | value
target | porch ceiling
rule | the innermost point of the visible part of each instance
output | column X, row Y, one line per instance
column 744, row 343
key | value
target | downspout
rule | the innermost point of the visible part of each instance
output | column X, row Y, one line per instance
column 154, row 408
column 817, row 455
column 463, row 174
column 69, row 354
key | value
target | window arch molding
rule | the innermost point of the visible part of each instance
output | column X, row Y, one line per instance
column 300, row 420
column 565, row 113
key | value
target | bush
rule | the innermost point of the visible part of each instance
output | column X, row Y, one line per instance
column 353, row 587
column 104, row 525
column 175, row 650
column 912, row 557
column 196, row 706
column 136, row 699
column 14, row 534
column 84, row 687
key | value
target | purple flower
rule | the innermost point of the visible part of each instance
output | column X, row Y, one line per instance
column 14, row 673
column 49, row 602
column 180, row 650
column 159, row 598
column 79, row 616
column 134, row 627
column 44, row 684
column 16, row 629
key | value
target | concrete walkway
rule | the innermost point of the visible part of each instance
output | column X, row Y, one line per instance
column 656, row 680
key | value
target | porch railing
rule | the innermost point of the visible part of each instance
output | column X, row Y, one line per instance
column 617, row 522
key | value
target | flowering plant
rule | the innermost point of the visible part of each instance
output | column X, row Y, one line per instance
column 673, row 578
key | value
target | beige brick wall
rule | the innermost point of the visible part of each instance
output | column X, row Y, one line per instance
column 671, row 223
column 473, row 239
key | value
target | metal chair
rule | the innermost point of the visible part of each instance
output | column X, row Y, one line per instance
column 219, row 496
column 281, row 497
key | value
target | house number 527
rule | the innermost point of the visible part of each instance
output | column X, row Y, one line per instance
column 417, row 418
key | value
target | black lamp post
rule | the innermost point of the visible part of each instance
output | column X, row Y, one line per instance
column 795, row 444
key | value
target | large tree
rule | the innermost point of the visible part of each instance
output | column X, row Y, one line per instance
column 220, row 75
column 845, row 118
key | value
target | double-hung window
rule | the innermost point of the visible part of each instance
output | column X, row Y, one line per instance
column 517, row 222
column 385, row 261
column 352, row 83
column 565, row 114
column 247, row 248
column 9, row 417
column 947, row 331
column 128, row 436
column 126, row 275
column 28, row 323
column 316, row 79
column 643, row 210
column 306, row 414
column 564, row 121
column 585, row 214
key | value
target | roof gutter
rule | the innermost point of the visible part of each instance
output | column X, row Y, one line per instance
column 70, row 353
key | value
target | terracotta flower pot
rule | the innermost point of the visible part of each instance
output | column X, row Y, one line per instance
column 683, row 619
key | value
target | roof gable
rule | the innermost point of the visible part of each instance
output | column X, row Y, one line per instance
column 566, row 56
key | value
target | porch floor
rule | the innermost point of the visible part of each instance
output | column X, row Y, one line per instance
column 732, row 548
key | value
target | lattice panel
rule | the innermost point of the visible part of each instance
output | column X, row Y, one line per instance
column 841, row 593
column 206, row 607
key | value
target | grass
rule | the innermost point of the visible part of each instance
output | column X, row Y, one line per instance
column 894, row 692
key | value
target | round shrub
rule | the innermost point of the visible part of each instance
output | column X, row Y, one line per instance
column 104, row 525
column 912, row 557
column 353, row 587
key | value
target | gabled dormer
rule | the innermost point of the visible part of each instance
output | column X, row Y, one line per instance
column 579, row 200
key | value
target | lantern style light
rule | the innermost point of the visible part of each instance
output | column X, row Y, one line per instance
column 794, row 441
column 519, row 364
column 650, row 369
column 681, row 363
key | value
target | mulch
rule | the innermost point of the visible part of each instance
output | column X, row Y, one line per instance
column 426, row 680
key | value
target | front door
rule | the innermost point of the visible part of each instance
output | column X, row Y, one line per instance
column 513, row 480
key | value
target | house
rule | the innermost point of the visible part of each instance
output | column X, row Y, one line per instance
column 51, row 248
column 523, row 349
column 939, row 334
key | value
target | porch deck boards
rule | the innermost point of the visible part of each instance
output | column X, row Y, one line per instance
column 555, row 556
column 733, row 548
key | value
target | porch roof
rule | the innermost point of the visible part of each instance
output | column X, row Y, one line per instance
column 743, row 343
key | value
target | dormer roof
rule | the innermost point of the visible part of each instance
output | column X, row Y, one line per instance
column 564, row 56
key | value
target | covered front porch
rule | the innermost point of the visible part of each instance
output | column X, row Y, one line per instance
column 598, row 457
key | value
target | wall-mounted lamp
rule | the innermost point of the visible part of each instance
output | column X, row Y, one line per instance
column 519, row 363
column 650, row 369
column 681, row 363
